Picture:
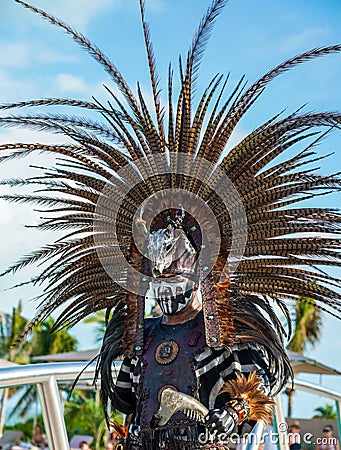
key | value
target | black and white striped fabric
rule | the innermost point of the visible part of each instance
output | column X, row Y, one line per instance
column 212, row 366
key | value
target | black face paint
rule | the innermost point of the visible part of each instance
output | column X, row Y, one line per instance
column 172, row 295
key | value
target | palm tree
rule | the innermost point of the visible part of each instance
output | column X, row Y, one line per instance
column 11, row 327
column 307, row 330
column 99, row 319
column 307, row 326
column 43, row 342
column 84, row 415
column 325, row 412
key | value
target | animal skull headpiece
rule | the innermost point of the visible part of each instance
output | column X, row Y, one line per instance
column 172, row 261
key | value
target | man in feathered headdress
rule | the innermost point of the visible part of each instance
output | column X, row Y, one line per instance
column 162, row 213
column 183, row 388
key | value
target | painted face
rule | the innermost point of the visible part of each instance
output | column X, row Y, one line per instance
column 172, row 294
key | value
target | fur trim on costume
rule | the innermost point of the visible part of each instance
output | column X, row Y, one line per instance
column 249, row 390
column 121, row 430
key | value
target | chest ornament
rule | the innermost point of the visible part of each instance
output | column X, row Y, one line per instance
column 166, row 352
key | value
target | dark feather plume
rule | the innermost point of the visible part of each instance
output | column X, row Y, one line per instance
column 114, row 164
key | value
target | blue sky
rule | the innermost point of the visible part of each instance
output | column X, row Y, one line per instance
column 251, row 36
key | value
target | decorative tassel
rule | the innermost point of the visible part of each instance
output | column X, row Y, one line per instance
column 180, row 437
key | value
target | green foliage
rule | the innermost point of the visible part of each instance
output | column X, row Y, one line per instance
column 44, row 342
column 11, row 327
column 84, row 415
column 327, row 411
column 307, row 325
column 99, row 319
column 26, row 427
column 41, row 342
column 307, row 330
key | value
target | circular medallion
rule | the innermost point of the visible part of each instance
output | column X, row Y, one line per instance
column 166, row 352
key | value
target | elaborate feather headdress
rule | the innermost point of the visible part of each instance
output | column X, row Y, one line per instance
column 136, row 166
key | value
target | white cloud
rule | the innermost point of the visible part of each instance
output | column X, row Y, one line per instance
column 156, row 6
column 77, row 13
column 17, row 240
column 48, row 56
column 14, row 54
column 29, row 136
column 5, row 213
column 303, row 39
column 12, row 89
column 22, row 54
column 68, row 83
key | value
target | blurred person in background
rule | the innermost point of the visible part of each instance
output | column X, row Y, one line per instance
column 328, row 442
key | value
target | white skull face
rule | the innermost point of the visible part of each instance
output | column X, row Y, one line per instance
column 161, row 248
column 173, row 268
column 168, row 247
column 172, row 294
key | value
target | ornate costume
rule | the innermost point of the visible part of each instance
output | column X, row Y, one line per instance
column 155, row 211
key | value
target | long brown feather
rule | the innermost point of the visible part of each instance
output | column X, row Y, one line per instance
column 114, row 164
